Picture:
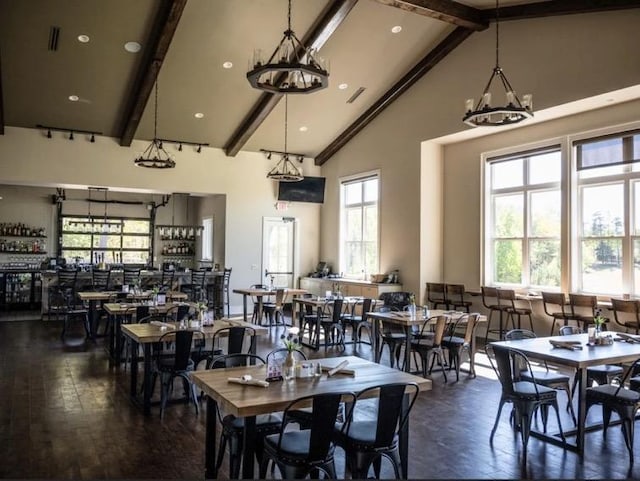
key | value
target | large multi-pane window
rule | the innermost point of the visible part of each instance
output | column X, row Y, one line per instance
column 112, row 240
column 359, row 227
column 607, row 249
column 523, row 219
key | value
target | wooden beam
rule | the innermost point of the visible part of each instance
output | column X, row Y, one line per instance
column 566, row 7
column 438, row 53
column 455, row 13
column 160, row 38
column 1, row 103
column 324, row 26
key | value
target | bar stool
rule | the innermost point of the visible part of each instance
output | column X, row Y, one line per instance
column 555, row 299
column 488, row 296
column 437, row 295
column 507, row 297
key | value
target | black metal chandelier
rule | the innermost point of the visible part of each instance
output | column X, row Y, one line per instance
column 483, row 114
column 292, row 68
column 285, row 170
column 155, row 156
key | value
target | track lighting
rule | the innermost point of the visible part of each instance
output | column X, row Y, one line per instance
column 71, row 132
column 199, row 149
column 181, row 143
column 180, row 148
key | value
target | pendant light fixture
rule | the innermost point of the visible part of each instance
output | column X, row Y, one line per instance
column 515, row 110
column 285, row 170
column 154, row 156
column 291, row 69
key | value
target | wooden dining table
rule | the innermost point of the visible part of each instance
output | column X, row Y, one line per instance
column 116, row 312
column 94, row 297
column 579, row 359
column 407, row 322
column 260, row 294
column 146, row 334
column 248, row 401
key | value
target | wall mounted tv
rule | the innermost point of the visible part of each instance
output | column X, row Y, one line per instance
column 309, row 189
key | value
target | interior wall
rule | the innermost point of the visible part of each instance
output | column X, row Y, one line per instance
column 28, row 158
column 558, row 59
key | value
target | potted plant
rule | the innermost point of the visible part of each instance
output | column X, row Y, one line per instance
column 291, row 342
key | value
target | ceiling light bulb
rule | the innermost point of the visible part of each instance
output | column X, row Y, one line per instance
column 396, row 29
column 343, row 86
column 227, row 65
column 198, row 115
column 132, row 47
column 74, row 98
column 304, row 128
column 83, row 38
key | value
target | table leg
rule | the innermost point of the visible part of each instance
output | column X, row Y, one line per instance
column 407, row 349
column 248, row 446
column 112, row 340
column 210, row 471
column 147, row 379
column 93, row 310
column 403, row 440
column 582, row 410
column 375, row 342
column 117, row 329
column 244, row 307
column 134, row 370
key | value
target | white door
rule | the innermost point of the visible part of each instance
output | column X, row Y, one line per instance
column 278, row 251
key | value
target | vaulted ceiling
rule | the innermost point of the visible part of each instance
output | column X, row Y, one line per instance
column 185, row 43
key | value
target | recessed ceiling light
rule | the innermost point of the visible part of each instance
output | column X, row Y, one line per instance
column 83, row 38
column 304, row 128
column 132, row 47
column 198, row 115
column 227, row 64
column 343, row 86
column 396, row 29
column 74, row 98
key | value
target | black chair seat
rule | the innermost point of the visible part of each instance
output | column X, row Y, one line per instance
column 545, row 377
column 526, row 389
column 634, row 383
column 166, row 364
column 263, row 421
column 605, row 369
column 363, row 434
column 607, row 392
column 452, row 341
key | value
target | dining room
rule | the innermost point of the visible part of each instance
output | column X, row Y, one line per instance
column 150, row 147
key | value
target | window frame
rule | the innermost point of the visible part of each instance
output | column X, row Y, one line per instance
column 348, row 180
column 207, row 239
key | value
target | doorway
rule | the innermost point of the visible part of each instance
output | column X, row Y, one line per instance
column 278, row 251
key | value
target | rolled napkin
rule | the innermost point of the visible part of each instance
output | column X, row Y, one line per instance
column 571, row 345
column 340, row 368
column 162, row 324
column 248, row 380
column 628, row 337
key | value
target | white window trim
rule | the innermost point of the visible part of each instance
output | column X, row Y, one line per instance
column 210, row 246
column 351, row 178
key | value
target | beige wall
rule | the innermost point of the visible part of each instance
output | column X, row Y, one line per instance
column 558, row 59
column 27, row 157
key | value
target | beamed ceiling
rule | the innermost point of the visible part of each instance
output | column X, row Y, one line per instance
column 186, row 42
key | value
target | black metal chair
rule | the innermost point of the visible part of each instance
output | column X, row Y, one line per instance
column 235, row 337
column 131, row 276
column 392, row 336
column 428, row 344
column 396, row 300
column 299, row 453
column 100, row 279
column 456, row 345
column 233, row 427
column 602, row 374
column 195, row 289
column 365, row 440
column 275, row 311
column 166, row 281
column 329, row 315
column 64, row 302
column 553, row 380
column 257, row 305
column 226, row 280
column 357, row 321
column 526, row 396
column 624, row 402
column 173, row 359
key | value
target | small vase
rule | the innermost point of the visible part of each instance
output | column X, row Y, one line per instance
column 289, row 367
column 412, row 311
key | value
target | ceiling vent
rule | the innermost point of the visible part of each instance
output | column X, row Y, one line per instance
column 355, row 95
column 54, row 35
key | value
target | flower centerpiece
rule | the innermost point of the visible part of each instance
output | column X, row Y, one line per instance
column 291, row 343
column 154, row 297
column 202, row 308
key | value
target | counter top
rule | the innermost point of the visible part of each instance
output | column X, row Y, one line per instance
column 351, row 281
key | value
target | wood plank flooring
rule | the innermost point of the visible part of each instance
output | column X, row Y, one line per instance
column 65, row 414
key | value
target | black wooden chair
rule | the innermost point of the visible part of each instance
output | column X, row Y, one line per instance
column 626, row 313
column 624, row 402
column 455, row 297
column 552, row 301
column 491, row 303
column 437, row 295
column 365, row 440
column 357, row 321
column 527, row 396
column 304, row 452
column 238, row 340
column 329, row 316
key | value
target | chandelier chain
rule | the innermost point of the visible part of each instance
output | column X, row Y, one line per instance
column 497, row 35
column 155, row 117
column 289, row 16
column 286, row 119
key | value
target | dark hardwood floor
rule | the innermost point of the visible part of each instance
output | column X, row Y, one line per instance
column 65, row 414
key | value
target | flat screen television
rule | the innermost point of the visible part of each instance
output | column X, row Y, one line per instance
column 309, row 189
